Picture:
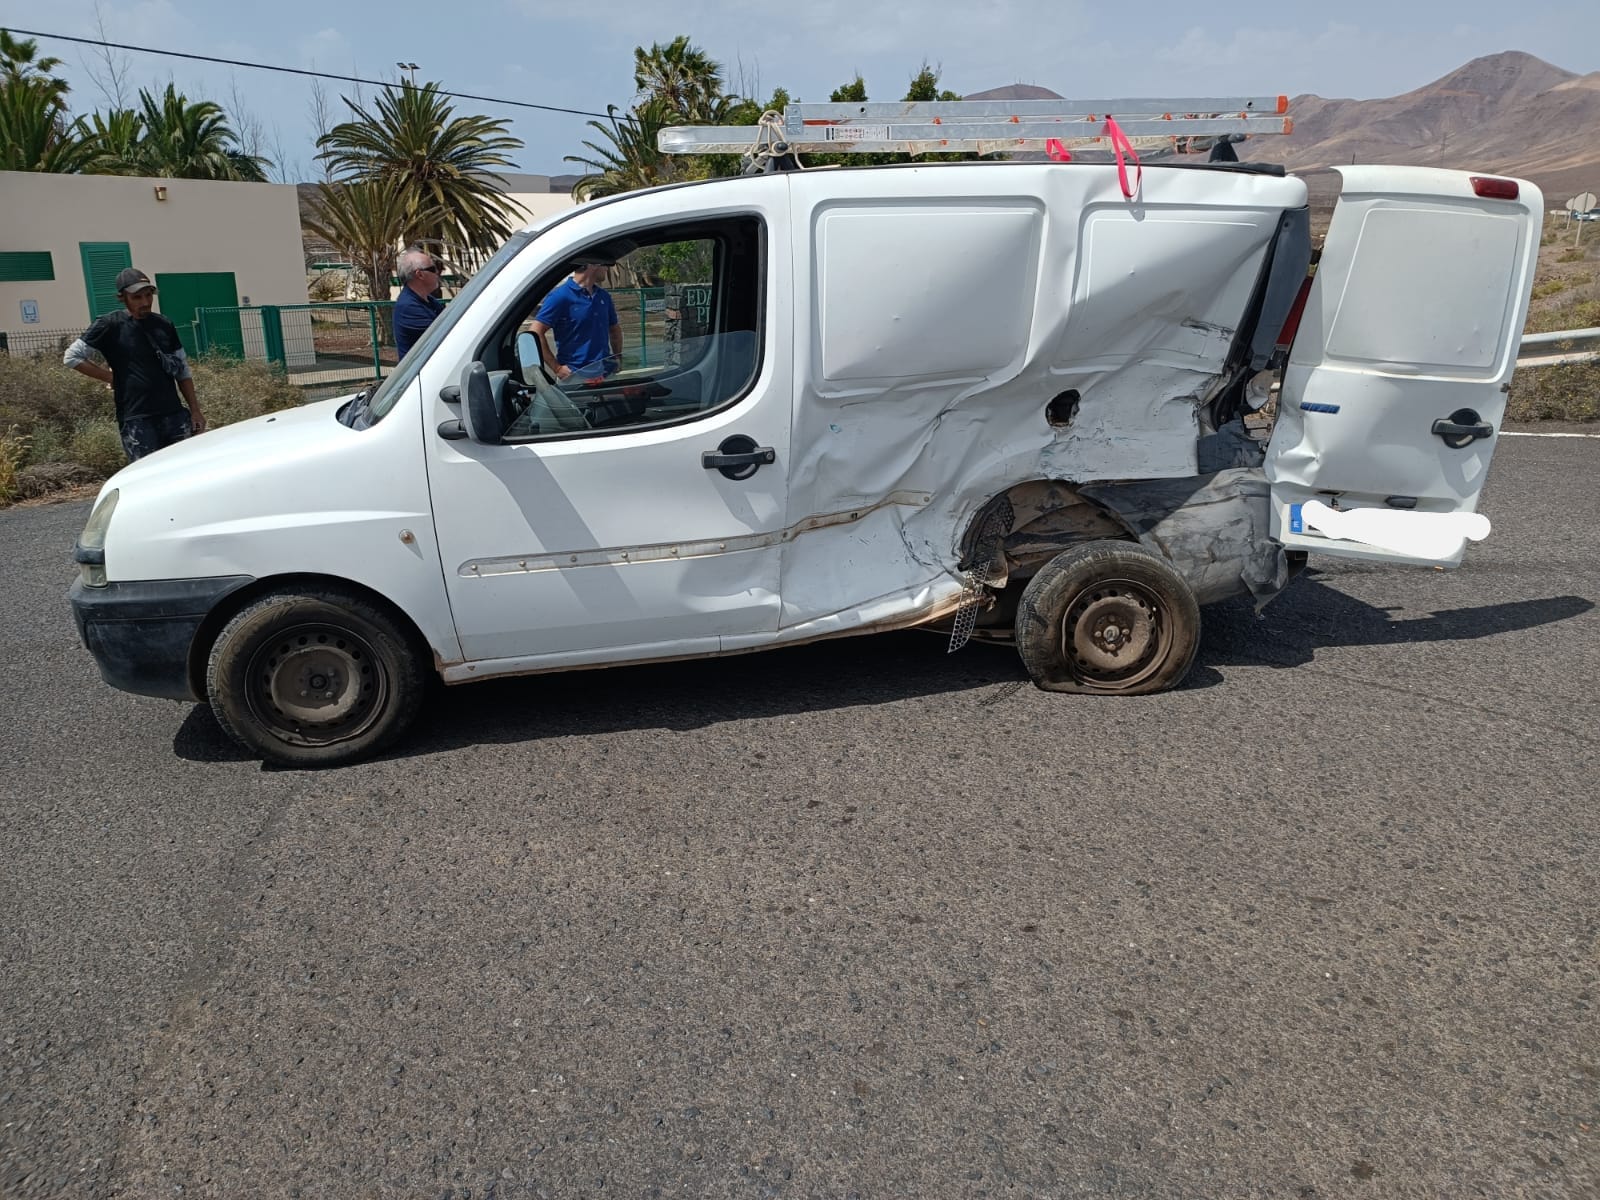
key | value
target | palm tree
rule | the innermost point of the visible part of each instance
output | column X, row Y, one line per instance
column 369, row 219
column 35, row 134
column 632, row 160
column 18, row 64
column 681, row 76
column 412, row 139
column 116, row 134
column 192, row 141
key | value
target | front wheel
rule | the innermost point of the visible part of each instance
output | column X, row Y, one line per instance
column 313, row 678
column 1108, row 617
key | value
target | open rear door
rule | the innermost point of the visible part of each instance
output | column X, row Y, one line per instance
column 1396, row 383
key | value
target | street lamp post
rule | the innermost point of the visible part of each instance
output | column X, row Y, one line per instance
column 410, row 68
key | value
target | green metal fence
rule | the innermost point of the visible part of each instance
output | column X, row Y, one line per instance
column 654, row 319
column 316, row 344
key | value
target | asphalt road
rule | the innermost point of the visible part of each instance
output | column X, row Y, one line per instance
column 857, row 919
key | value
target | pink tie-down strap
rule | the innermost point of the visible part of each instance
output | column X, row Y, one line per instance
column 1120, row 146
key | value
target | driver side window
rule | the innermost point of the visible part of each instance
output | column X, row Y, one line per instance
column 656, row 329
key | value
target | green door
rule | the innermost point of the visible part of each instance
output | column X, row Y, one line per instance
column 101, row 263
column 178, row 295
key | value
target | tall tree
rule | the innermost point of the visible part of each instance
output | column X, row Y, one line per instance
column 925, row 85
column 116, row 134
column 20, row 64
column 192, row 141
column 853, row 92
column 413, row 137
column 681, row 76
column 111, row 76
column 629, row 159
column 368, row 220
column 36, row 136
column 35, row 132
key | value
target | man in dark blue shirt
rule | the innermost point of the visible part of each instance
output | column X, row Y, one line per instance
column 580, row 313
column 417, row 306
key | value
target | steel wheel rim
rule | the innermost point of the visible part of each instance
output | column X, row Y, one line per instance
column 1115, row 634
column 316, row 684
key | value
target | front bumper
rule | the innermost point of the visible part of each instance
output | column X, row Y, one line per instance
column 140, row 631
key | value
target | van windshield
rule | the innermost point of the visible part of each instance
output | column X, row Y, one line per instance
column 395, row 383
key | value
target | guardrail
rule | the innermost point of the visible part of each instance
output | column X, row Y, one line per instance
column 1535, row 342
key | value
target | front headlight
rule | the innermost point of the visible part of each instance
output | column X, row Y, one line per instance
column 90, row 552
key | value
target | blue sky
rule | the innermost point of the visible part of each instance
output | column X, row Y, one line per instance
column 580, row 55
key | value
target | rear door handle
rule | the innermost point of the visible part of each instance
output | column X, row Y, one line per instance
column 1461, row 428
column 738, row 457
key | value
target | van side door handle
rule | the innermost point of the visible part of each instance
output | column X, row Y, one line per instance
column 1461, row 428
column 738, row 457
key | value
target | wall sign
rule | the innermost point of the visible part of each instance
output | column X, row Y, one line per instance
column 30, row 312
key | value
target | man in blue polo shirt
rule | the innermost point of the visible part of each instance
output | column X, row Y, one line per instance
column 580, row 314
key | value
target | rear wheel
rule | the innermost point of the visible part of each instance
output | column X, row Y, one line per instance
column 1108, row 617
column 314, row 678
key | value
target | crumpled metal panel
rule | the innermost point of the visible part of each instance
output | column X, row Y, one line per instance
column 1132, row 310
column 1213, row 528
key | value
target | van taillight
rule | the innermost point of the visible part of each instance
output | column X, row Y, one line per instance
column 1491, row 188
column 1291, row 323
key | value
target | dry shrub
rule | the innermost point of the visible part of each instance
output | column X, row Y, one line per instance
column 13, row 450
column 47, row 444
column 1565, row 393
column 96, row 444
column 40, row 391
column 58, row 416
column 232, row 389
column 1575, row 314
column 44, row 479
column 326, row 286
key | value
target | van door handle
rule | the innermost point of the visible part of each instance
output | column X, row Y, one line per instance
column 738, row 457
column 1461, row 428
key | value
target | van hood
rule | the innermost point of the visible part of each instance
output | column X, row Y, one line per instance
column 236, row 451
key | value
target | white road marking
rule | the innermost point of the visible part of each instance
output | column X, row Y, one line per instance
column 1510, row 433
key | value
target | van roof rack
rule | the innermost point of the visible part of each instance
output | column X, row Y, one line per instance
column 980, row 126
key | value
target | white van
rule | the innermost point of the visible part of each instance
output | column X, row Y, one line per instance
column 991, row 394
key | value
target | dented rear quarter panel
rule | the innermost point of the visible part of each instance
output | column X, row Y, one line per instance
column 940, row 318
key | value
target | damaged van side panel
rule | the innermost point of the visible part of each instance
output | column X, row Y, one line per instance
column 1077, row 342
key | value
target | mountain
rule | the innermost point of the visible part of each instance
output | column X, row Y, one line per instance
column 1508, row 113
column 1015, row 91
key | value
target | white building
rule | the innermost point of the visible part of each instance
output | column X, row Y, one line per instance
column 64, row 238
column 537, row 196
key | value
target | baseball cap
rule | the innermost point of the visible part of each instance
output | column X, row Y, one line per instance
column 131, row 279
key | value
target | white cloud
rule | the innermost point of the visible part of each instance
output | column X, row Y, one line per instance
column 322, row 48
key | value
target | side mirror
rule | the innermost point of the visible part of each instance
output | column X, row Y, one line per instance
column 479, row 412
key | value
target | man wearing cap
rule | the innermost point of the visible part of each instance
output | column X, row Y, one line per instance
column 580, row 313
column 148, row 369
